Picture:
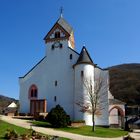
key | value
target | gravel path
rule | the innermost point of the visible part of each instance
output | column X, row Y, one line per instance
column 135, row 134
column 50, row 131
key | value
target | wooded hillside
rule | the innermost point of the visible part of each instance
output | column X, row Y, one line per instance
column 125, row 82
column 5, row 101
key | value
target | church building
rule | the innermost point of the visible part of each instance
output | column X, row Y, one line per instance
column 58, row 79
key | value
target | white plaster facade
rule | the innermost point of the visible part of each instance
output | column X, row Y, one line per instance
column 58, row 77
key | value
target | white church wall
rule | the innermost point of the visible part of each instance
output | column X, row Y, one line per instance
column 57, row 66
column 110, row 96
column 88, row 119
column 60, row 64
column 34, row 77
column 102, row 117
column 23, row 100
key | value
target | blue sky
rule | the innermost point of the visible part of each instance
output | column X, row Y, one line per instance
column 110, row 29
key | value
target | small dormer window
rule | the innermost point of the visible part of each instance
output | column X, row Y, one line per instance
column 57, row 34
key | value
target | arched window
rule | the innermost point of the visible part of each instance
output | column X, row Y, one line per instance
column 57, row 34
column 33, row 92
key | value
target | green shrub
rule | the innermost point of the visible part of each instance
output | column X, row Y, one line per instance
column 41, row 118
column 57, row 117
column 10, row 134
column 30, row 134
column 38, row 117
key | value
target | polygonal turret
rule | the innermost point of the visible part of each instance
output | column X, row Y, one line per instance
column 83, row 71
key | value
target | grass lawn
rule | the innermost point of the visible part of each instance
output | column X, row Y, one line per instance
column 99, row 131
column 4, row 126
column 86, row 130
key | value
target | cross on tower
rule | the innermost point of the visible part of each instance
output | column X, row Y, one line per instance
column 61, row 11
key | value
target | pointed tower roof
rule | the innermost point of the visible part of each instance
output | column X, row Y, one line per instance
column 64, row 24
column 84, row 57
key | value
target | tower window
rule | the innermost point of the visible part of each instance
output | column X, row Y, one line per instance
column 70, row 56
column 55, row 98
column 57, row 34
column 55, row 83
column 82, row 73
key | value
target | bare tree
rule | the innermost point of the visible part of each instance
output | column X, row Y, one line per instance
column 93, row 101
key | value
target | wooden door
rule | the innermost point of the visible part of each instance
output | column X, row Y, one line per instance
column 37, row 106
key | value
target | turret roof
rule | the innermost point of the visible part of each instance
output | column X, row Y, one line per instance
column 84, row 57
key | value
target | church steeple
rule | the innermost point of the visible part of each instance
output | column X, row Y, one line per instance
column 60, row 31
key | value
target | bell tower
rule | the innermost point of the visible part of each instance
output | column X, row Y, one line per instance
column 60, row 32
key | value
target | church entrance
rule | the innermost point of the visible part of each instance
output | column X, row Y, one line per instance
column 116, row 117
column 38, row 106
